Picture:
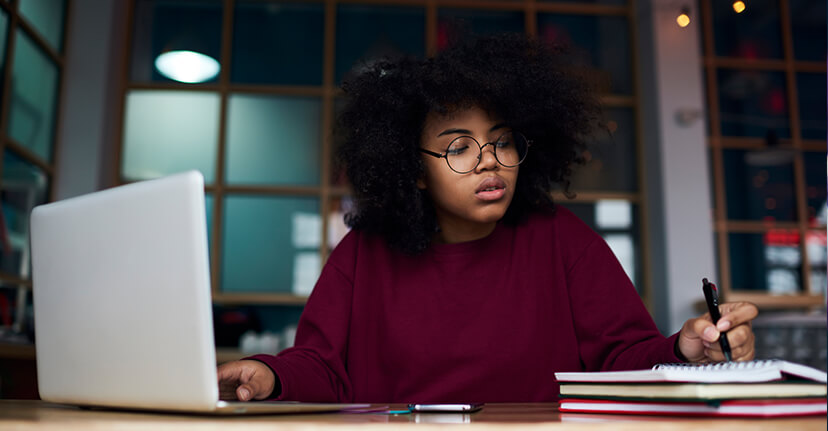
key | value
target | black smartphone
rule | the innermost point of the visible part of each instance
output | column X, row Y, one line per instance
column 445, row 408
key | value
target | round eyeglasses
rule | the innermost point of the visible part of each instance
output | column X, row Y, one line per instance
column 509, row 149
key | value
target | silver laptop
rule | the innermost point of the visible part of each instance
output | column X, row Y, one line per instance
column 122, row 302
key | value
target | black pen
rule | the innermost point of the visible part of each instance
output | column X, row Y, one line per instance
column 711, row 296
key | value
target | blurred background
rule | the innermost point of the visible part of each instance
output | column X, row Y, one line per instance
column 714, row 164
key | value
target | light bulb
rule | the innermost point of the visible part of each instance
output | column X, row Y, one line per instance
column 739, row 6
column 683, row 19
column 187, row 66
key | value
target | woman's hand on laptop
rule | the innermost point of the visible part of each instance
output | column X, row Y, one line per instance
column 245, row 380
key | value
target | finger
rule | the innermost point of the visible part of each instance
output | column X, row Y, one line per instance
column 704, row 329
column 742, row 354
column 262, row 385
column 714, row 355
column 742, row 342
column 229, row 376
column 748, row 356
column 736, row 313
column 740, row 336
column 228, row 371
column 256, row 381
column 741, row 346
column 228, row 393
column 244, row 392
column 254, row 389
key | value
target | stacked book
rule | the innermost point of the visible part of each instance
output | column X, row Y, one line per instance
column 766, row 388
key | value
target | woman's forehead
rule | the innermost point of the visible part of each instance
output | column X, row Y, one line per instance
column 459, row 116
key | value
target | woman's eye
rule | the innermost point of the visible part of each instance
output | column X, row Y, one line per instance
column 453, row 151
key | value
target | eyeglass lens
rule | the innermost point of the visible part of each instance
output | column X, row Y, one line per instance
column 464, row 153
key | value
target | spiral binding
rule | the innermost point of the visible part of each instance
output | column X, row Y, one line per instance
column 717, row 366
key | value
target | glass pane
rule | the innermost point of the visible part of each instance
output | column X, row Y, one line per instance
column 817, row 260
column 169, row 25
column 33, row 98
column 364, row 33
column 766, row 262
column 169, row 131
column 266, row 46
column 759, row 185
column 337, row 174
column 815, row 191
column 23, row 186
column 280, row 320
column 256, row 328
column 811, row 90
column 453, row 23
column 618, row 222
column 208, row 206
column 753, row 103
column 611, row 158
column 808, row 27
column 46, row 16
column 600, row 46
column 4, row 28
column 752, row 34
column 273, row 140
column 270, row 244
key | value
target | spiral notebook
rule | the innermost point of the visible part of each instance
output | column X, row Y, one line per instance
column 721, row 372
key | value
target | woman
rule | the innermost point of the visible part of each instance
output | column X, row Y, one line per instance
column 461, row 280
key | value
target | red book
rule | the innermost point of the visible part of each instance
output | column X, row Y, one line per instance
column 738, row 408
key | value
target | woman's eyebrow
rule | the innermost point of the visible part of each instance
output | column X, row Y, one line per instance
column 468, row 132
column 497, row 126
column 450, row 131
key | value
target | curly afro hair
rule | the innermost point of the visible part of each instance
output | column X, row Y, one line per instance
column 517, row 79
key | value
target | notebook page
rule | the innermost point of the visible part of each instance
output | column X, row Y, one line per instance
column 785, row 367
column 723, row 372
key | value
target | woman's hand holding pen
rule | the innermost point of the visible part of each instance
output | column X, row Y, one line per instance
column 698, row 339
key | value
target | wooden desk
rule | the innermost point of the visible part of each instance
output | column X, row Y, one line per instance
column 37, row 415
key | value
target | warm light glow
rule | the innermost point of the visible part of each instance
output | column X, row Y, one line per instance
column 683, row 20
column 739, row 6
column 187, row 66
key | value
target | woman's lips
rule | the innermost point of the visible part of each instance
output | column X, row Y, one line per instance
column 490, row 195
column 490, row 189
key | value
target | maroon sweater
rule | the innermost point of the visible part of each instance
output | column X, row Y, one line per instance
column 489, row 320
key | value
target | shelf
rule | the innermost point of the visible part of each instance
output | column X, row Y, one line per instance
column 227, row 354
column 27, row 352
column 767, row 301
column 17, row 351
column 259, row 299
column 13, row 281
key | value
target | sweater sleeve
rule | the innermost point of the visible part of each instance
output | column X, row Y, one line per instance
column 315, row 369
column 614, row 329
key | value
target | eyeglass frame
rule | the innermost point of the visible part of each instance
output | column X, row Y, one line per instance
column 480, row 154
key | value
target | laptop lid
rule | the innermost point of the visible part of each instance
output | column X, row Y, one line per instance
column 122, row 297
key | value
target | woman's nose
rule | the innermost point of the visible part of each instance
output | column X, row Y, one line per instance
column 488, row 160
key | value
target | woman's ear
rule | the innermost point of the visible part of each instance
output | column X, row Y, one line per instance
column 421, row 182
